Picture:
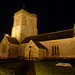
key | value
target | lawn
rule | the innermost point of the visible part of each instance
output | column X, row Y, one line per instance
column 12, row 67
column 49, row 68
column 17, row 67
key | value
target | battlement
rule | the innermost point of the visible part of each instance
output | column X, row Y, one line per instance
column 25, row 13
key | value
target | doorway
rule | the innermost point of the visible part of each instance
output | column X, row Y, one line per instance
column 30, row 55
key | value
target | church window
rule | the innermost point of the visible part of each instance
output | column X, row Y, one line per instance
column 55, row 50
column 52, row 50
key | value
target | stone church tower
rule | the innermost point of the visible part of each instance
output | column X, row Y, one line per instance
column 25, row 25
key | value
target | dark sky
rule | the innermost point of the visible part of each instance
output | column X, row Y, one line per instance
column 53, row 15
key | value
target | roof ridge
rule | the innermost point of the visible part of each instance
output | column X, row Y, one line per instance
column 11, row 37
column 12, row 40
column 39, row 44
column 52, row 32
column 50, row 36
column 55, row 32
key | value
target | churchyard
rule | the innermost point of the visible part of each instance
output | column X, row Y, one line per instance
column 20, row 67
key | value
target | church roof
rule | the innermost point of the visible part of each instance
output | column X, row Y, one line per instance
column 12, row 40
column 50, row 36
column 39, row 45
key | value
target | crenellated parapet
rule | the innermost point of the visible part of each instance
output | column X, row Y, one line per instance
column 24, row 12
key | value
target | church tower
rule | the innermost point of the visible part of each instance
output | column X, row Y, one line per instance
column 25, row 25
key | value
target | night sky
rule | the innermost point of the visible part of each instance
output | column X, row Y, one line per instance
column 52, row 15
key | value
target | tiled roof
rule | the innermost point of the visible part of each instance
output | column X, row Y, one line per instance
column 12, row 40
column 50, row 36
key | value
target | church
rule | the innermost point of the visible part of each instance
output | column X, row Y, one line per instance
column 25, row 43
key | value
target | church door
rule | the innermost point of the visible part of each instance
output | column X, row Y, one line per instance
column 30, row 55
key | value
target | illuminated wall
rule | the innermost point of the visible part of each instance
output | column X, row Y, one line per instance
column 25, row 24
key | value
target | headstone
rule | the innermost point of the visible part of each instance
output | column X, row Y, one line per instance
column 64, row 64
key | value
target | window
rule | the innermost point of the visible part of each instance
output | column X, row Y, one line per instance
column 55, row 50
column 52, row 50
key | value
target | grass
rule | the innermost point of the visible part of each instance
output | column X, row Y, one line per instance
column 16, row 67
column 12, row 67
column 49, row 68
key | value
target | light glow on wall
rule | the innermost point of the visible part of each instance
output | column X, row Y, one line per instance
column 6, row 34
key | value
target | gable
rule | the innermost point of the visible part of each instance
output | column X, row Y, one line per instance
column 39, row 45
column 4, row 46
column 10, row 40
column 31, row 44
column 5, row 41
column 35, row 44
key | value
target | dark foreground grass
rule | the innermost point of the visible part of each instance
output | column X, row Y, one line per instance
column 49, row 68
column 17, row 67
column 12, row 67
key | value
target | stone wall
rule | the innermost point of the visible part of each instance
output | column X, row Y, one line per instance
column 22, row 49
column 66, row 47
column 42, row 53
column 25, row 24
column 13, row 51
column 31, row 50
column 16, row 32
column 4, row 47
